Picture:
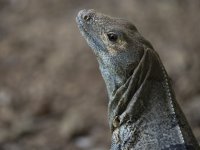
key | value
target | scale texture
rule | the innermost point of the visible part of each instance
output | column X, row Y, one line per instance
column 142, row 109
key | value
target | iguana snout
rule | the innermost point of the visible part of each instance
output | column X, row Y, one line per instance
column 86, row 15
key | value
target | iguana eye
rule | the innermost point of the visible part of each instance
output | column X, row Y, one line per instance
column 112, row 37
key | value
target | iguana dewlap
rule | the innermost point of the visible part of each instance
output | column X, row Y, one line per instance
column 143, row 112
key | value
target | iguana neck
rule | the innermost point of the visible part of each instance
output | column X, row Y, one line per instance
column 113, row 81
column 145, row 109
column 116, row 75
column 129, row 93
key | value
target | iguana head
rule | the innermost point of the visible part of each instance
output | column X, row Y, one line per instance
column 116, row 43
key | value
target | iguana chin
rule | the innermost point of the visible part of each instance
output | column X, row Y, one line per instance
column 143, row 112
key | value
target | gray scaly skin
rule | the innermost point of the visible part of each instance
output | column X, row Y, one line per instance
column 143, row 112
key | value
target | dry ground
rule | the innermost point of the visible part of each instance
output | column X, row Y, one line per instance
column 52, row 96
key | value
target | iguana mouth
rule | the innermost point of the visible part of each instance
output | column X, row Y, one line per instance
column 83, row 29
column 81, row 25
column 85, row 20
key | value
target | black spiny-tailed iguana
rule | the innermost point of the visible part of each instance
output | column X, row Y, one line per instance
column 143, row 112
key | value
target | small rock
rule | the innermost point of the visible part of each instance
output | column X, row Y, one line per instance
column 192, row 111
column 84, row 142
column 73, row 124
column 5, row 98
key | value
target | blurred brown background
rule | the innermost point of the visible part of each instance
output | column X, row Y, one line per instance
column 52, row 96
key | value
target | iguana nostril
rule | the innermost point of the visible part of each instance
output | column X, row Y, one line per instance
column 86, row 17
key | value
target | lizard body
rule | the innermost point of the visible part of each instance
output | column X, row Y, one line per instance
column 143, row 112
